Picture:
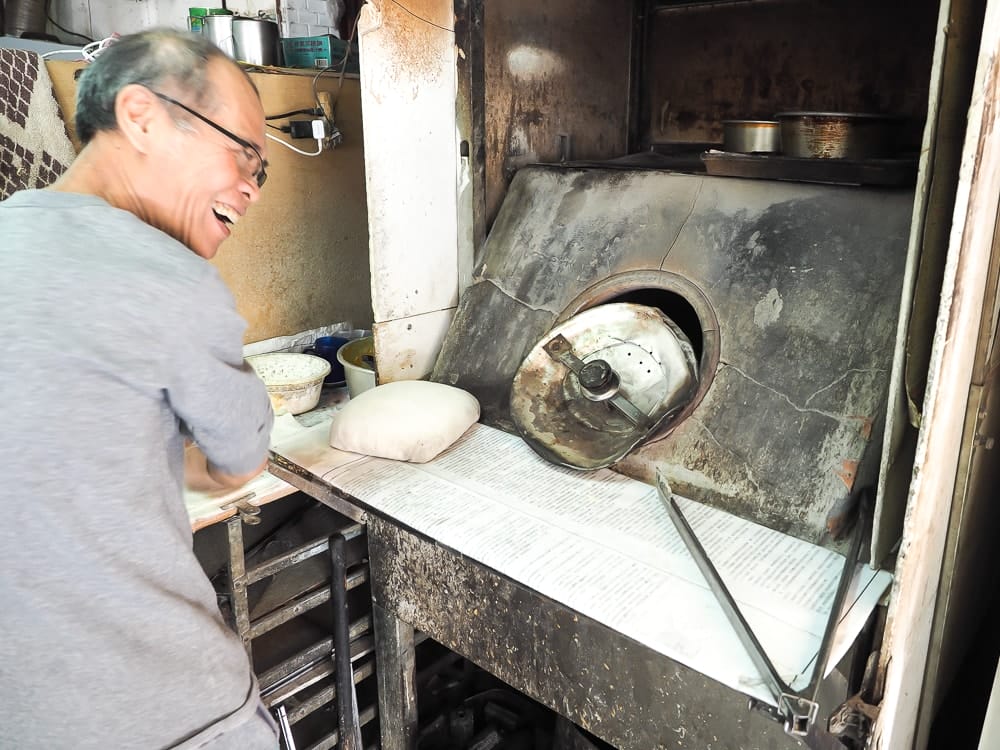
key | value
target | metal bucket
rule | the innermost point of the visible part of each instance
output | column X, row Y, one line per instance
column 219, row 29
column 751, row 136
column 255, row 41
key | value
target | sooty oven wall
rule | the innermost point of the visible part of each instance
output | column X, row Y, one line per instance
column 552, row 68
column 751, row 60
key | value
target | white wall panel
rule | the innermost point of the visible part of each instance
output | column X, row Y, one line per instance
column 409, row 85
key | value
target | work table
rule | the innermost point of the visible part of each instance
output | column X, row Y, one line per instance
column 572, row 587
column 207, row 508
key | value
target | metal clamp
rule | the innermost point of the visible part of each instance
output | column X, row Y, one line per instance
column 799, row 713
column 249, row 514
column 598, row 380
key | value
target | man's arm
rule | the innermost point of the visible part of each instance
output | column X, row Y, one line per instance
column 220, row 400
column 202, row 476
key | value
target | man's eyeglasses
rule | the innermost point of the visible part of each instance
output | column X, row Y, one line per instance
column 260, row 173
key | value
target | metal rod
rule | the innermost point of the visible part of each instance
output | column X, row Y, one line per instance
column 299, row 554
column 303, row 604
column 238, row 582
column 764, row 666
column 322, row 649
column 304, row 480
column 328, row 694
column 286, row 729
column 826, row 645
column 330, row 740
column 347, row 706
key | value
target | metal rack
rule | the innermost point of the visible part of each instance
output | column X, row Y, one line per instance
column 327, row 672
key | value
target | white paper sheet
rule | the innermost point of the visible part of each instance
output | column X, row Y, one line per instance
column 603, row 545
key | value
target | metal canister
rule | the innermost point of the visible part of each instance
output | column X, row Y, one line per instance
column 255, row 41
column 219, row 29
column 839, row 135
column 22, row 17
column 751, row 136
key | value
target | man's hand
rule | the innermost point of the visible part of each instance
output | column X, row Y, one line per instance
column 201, row 476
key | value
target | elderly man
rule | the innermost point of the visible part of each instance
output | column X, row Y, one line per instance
column 120, row 342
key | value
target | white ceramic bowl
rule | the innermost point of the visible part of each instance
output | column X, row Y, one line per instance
column 294, row 381
column 358, row 359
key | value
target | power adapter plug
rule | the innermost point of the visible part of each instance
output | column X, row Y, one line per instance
column 302, row 128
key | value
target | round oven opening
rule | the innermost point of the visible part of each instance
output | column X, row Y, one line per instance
column 675, row 307
column 680, row 300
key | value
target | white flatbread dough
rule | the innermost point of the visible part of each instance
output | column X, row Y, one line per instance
column 411, row 420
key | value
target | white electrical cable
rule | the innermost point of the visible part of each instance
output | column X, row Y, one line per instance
column 63, row 52
column 88, row 52
column 286, row 144
column 94, row 49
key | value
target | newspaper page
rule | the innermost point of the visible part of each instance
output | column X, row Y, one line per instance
column 603, row 545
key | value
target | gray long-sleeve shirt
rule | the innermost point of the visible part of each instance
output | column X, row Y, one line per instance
column 115, row 340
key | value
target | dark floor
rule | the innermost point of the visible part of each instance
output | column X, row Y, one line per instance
column 959, row 719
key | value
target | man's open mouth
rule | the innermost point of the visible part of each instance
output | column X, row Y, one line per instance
column 225, row 214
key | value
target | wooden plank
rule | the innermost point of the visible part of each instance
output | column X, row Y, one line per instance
column 904, row 656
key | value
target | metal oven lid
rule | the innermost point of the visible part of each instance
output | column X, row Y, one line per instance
column 596, row 386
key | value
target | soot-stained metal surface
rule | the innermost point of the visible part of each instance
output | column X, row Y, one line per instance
column 622, row 691
column 805, row 283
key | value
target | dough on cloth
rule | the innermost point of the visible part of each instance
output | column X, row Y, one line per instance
column 410, row 420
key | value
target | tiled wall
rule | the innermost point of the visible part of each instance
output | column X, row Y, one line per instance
column 310, row 17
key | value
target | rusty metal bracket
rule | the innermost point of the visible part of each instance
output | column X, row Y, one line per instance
column 853, row 719
column 249, row 514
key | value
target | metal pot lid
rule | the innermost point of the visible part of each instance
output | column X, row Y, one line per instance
column 597, row 385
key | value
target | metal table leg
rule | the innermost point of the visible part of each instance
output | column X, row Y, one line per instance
column 396, row 672
column 238, row 581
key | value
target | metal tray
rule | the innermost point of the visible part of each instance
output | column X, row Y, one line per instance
column 888, row 172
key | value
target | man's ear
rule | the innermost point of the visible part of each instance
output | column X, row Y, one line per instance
column 138, row 112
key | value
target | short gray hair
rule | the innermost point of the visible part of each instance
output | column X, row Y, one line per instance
column 155, row 59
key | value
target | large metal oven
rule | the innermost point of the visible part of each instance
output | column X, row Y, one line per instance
column 563, row 156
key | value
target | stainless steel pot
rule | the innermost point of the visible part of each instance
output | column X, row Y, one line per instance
column 839, row 135
column 751, row 136
column 255, row 41
column 21, row 17
column 219, row 29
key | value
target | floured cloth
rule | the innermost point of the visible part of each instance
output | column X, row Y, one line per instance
column 34, row 146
